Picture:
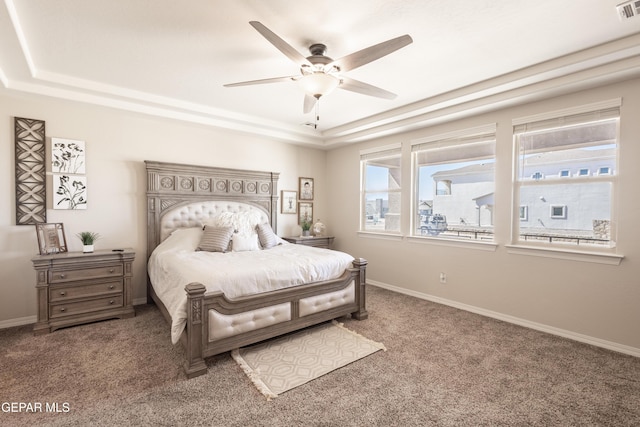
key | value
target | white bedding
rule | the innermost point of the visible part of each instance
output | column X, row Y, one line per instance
column 176, row 263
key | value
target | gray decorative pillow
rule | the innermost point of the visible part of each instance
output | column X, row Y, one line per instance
column 215, row 239
column 267, row 236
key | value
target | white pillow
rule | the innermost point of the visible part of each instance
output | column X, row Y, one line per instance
column 243, row 222
column 240, row 243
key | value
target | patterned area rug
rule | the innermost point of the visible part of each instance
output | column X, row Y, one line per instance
column 281, row 364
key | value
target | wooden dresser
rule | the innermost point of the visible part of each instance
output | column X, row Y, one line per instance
column 75, row 287
column 318, row 242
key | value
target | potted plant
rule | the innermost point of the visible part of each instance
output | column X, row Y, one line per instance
column 306, row 226
column 88, row 238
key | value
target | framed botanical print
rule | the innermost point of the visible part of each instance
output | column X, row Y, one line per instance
column 305, row 213
column 69, row 191
column 51, row 239
column 289, row 202
column 67, row 156
column 306, row 188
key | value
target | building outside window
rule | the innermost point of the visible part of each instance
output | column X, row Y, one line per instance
column 380, row 177
column 567, row 210
column 454, row 175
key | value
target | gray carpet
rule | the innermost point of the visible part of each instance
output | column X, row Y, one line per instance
column 442, row 367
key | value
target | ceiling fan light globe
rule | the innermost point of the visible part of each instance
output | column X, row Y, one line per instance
column 318, row 84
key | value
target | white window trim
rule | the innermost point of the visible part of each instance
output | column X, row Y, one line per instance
column 561, row 216
column 566, row 254
column 381, row 152
column 597, row 255
column 525, row 210
column 490, row 128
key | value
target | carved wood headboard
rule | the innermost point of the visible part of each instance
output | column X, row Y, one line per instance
column 173, row 185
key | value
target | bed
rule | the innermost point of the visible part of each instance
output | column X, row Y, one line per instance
column 252, row 296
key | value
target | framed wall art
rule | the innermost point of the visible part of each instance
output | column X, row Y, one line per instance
column 306, row 188
column 51, row 238
column 69, row 192
column 289, row 199
column 67, row 156
column 305, row 212
column 31, row 189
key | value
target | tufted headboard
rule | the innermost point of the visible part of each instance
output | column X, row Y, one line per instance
column 181, row 196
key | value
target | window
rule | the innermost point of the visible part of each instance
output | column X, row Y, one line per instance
column 380, row 178
column 524, row 213
column 558, row 211
column 537, row 176
column 454, row 176
column 567, row 211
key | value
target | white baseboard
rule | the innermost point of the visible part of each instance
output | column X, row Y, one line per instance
column 18, row 322
column 621, row 348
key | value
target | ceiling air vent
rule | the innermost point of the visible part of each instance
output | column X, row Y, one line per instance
column 628, row 9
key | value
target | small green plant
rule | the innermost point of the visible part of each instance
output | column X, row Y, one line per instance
column 305, row 223
column 88, row 237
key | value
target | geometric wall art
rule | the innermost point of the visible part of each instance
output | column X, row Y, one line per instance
column 30, row 170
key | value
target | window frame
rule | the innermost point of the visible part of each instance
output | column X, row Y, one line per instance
column 475, row 135
column 373, row 154
column 582, row 115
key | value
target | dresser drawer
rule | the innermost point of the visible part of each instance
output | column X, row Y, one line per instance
column 59, row 276
column 80, row 307
column 66, row 292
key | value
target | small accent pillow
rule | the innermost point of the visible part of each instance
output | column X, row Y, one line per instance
column 215, row 239
column 240, row 243
column 268, row 238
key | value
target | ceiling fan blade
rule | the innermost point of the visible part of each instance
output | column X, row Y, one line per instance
column 370, row 54
column 263, row 81
column 309, row 103
column 282, row 45
column 364, row 88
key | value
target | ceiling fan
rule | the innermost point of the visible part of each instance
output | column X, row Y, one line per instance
column 320, row 74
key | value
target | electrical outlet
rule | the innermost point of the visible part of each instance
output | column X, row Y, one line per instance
column 443, row 278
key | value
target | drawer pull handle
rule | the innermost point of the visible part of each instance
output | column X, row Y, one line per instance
column 62, row 276
column 111, row 286
column 111, row 270
column 62, row 309
column 111, row 302
column 63, row 293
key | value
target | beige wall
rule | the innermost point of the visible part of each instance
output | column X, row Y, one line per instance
column 117, row 144
column 592, row 302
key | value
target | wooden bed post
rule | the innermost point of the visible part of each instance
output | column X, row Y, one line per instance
column 195, row 366
column 361, row 293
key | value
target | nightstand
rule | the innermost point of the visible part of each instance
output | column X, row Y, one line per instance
column 318, row 242
column 75, row 287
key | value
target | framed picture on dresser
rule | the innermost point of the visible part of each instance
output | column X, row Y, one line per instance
column 51, row 239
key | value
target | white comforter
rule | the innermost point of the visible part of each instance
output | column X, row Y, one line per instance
column 175, row 263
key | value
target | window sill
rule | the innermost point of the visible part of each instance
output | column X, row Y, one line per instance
column 377, row 235
column 572, row 255
column 468, row 244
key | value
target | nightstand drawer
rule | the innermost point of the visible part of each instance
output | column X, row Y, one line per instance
column 89, row 306
column 60, row 276
column 67, row 292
